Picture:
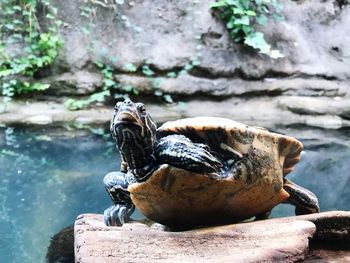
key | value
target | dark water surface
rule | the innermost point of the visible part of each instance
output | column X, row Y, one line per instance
column 49, row 176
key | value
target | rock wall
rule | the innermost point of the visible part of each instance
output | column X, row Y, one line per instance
column 168, row 35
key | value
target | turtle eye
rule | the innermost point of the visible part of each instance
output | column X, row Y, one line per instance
column 117, row 106
column 141, row 108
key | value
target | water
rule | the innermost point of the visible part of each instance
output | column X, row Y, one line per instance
column 49, row 176
column 325, row 170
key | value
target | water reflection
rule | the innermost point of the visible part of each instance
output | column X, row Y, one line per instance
column 49, row 176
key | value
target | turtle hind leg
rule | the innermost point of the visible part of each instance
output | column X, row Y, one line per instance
column 305, row 201
column 116, row 185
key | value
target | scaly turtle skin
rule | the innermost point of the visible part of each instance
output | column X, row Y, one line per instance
column 200, row 171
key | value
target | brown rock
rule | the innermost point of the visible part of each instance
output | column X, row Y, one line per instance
column 264, row 241
column 331, row 226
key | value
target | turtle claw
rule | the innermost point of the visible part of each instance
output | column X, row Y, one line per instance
column 116, row 215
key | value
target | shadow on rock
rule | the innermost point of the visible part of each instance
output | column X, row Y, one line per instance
column 61, row 248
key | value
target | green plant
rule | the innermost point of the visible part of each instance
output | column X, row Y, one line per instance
column 241, row 17
column 25, row 47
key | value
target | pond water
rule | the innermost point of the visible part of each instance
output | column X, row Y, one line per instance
column 49, row 176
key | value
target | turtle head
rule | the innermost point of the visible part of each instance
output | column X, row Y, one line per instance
column 135, row 133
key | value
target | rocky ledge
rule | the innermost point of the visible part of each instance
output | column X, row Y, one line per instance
column 330, row 113
column 275, row 240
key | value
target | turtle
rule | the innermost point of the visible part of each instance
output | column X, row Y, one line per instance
column 200, row 171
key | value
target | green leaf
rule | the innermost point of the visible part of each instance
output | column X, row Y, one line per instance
column 277, row 5
column 218, row 4
column 233, row 2
column 188, row 67
column 278, row 18
column 147, row 71
column 181, row 106
column 17, row 21
column 156, row 82
column 109, row 82
column 40, row 86
column 6, row 72
column 250, row 13
column 17, row 8
column 171, row 74
column 257, row 40
column 195, row 62
column 168, row 98
column 244, row 20
column 85, row 30
column 50, row 16
column 261, row 19
column 128, row 88
column 73, row 104
column 130, row 67
column 238, row 11
column 158, row 93
column 99, row 64
column 230, row 24
column 247, row 29
column 10, row 26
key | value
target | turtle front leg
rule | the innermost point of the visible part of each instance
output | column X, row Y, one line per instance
column 116, row 185
column 179, row 151
column 305, row 201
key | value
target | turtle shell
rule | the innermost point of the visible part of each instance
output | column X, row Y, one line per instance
column 253, row 186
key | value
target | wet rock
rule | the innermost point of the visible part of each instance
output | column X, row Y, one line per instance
column 61, row 248
column 249, row 242
column 274, row 240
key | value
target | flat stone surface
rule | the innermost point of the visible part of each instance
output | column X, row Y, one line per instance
column 264, row 241
column 274, row 240
column 268, row 112
column 50, row 112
